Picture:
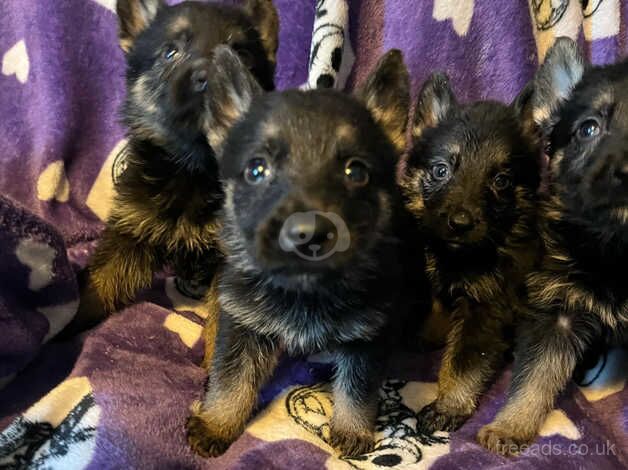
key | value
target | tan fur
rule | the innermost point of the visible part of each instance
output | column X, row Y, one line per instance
column 352, row 425
column 142, row 222
column 119, row 269
column 211, row 323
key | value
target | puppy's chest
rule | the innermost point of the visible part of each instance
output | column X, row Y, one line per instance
column 177, row 216
column 582, row 285
column 498, row 284
column 302, row 326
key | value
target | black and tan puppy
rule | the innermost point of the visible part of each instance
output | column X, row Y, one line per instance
column 471, row 180
column 313, row 254
column 168, row 196
column 579, row 294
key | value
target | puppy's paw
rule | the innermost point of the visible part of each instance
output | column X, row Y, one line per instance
column 203, row 438
column 351, row 443
column 433, row 418
column 502, row 439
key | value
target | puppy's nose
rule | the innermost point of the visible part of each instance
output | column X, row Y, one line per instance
column 461, row 221
column 303, row 231
column 621, row 172
column 309, row 231
column 199, row 80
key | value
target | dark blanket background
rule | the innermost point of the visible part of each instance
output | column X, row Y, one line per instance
column 118, row 397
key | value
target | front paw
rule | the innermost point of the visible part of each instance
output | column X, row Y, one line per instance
column 434, row 418
column 351, row 443
column 503, row 439
column 203, row 438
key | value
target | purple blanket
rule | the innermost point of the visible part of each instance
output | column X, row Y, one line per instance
column 118, row 396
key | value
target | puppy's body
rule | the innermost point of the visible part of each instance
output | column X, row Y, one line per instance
column 165, row 211
column 579, row 293
column 471, row 181
column 313, row 256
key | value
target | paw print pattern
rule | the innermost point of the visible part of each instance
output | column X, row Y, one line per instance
column 331, row 57
column 398, row 442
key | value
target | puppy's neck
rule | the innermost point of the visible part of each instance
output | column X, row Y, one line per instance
column 598, row 247
column 196, row 157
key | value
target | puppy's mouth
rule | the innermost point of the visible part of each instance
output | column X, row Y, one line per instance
column 296, row 279
column 455, row 244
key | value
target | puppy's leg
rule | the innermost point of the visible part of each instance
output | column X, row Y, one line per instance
column 243, row 361
column 358, row 376
column 547, row 351
column 210, row 329
column 475, row 348
column 121, row 266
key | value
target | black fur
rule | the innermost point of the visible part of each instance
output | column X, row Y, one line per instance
column 579, row 294
column 319, row 151
column 168, row 198
column 471, row 180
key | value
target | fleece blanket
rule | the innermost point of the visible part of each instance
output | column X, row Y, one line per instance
column 117, row 396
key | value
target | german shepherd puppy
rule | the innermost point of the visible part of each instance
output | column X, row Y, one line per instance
column 312, row 249
column 168, row 197
column 579, row 294
column 471, row 180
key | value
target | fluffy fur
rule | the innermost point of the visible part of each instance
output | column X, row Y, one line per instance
column 471, row 181
column 165, row 211
column 579, row 294
column 292, row 153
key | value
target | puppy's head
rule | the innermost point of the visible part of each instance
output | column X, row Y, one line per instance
column 310, row 178
column 584, row 112
column 472, row 173
column 169, row 50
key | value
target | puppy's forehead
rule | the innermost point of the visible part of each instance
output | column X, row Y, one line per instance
column 473, row 143
column 311, row 127
column 206, row 22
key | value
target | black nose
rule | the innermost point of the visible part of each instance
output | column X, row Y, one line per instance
column 312, row 233
column 305, row 231
column 199, row 80
column 461, row 221
column 621, row 173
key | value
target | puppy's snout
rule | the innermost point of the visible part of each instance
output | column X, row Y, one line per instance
column 461, row 221
column 621, row 172
column 310, row 231
column 199, row 80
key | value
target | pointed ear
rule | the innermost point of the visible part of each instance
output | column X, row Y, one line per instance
column 134, row 16
column 555, row 80
column 232, row 91
column 266, row 21
column 386, row 94
column 522, row 106
column 435, row 101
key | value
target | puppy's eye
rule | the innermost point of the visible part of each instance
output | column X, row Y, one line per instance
column 502, row 181
column 171, row 52
column 256, row 171
column 356, row 172
column 589, row 129
column 440, row 171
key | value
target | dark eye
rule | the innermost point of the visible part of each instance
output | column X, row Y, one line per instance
column 501, row 181
column 356, row 172
column 440, row 171
column 171, row 52
column 589, row 129
column 256, row 171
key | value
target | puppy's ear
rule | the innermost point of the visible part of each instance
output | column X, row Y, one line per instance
column 386, row 94
column 266, row 21
column 434, row 103
column 233, row 89
column 560, row 73
column 524, row 110
column 134, row 16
